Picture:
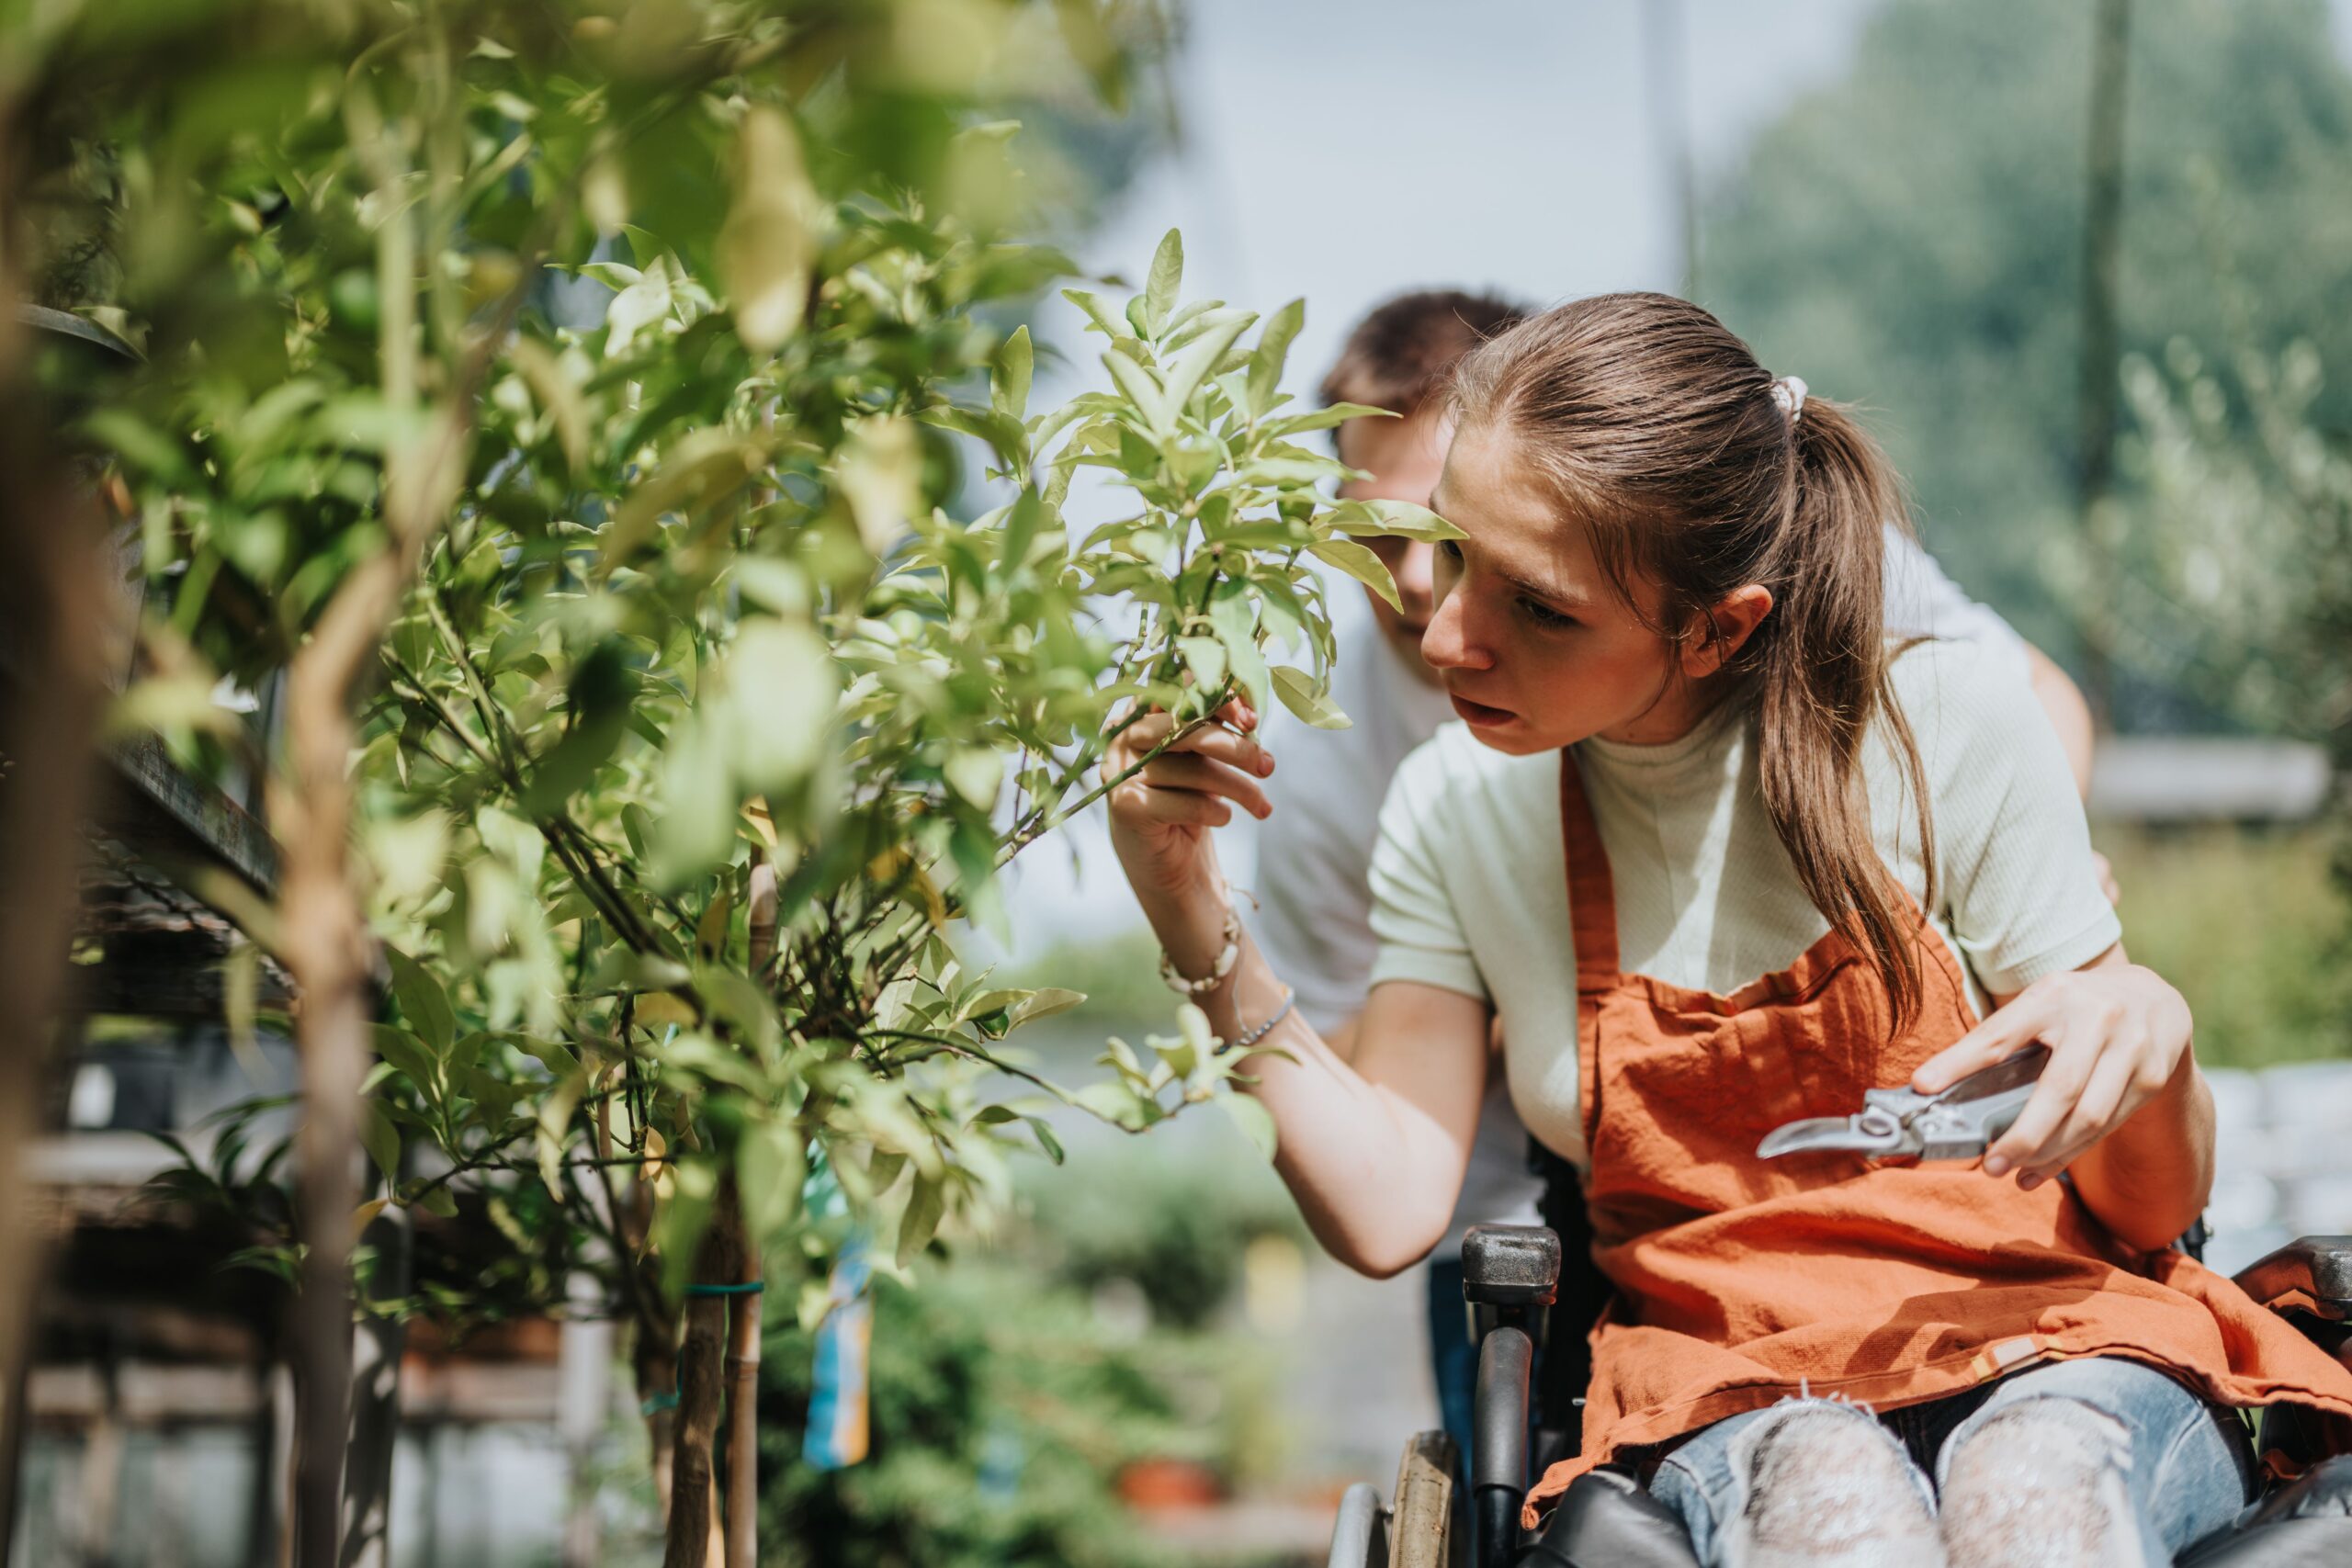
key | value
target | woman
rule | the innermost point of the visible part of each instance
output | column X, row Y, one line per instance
column 1764, row 863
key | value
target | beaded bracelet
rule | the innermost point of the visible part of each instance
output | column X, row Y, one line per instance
column 1228, row 956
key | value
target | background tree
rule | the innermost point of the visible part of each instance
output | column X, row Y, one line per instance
column 1912, row 236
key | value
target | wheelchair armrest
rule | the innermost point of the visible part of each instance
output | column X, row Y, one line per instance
column 1606, row 1520
column 2313, row 1274
column 1511, row 1266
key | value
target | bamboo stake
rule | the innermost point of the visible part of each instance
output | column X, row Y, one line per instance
column 700, row 1388
column 743, row 1327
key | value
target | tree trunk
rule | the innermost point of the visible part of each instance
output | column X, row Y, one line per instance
column 700, row 1386
column 56, row 609
column 331, row 955
column 326, row 949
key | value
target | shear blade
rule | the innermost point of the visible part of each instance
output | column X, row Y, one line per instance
column 1814, row 1134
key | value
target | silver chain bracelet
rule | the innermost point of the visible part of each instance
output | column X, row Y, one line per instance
column 1282, row 1012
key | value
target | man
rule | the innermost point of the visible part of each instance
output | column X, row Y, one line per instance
column 1315, row 849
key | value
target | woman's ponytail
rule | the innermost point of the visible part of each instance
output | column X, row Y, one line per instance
column 1822, row 674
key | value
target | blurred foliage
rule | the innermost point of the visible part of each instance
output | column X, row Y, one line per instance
column 1173, row 1223
column 2232, row 577
column 2250, row 926
column 1119, row 974
column 1911, row 236
column 646, row 350
column 1002, row 1412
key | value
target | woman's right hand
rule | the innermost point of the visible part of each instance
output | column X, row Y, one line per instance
column 1160, row 819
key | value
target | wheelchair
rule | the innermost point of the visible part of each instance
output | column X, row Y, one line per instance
column 1534, row 1287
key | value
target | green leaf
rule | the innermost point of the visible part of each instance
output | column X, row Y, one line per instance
column 768, row 247
column 1273, row 348
column 1361, row 564
column 1236, row 627
column 381, row 1139
column 697, row 828
column 1008, row 389
column 1117, row 1104
column 976, row 774
column 1142, row 388
column 1199, row 359
column 1167, row 278
column 769, row 1169
column 570, row 765
column 781, row 693
column 1045, row 1139
column 679, row 1223
column 1099, row 314
column 920, row 1222
column 1043, row 1003
column 1254, row 1119
column 879, row 473
column 556, row 393
column 1204, row 656
column 1021, row 526
column 1325, row 418
column 711, row 931
column 422, row 1000
column 403, row 1051
column 1399, row 519
column 702, row 469
column 1297, row 691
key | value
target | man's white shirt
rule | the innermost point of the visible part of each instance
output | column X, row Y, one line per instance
column 1313, row 918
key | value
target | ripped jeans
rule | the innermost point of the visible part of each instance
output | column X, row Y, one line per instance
column 2091, row 1463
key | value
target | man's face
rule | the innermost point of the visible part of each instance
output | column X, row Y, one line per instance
column 1530, row 640
column 1405, row 457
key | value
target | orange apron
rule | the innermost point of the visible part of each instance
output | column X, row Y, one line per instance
column 1740, row 1283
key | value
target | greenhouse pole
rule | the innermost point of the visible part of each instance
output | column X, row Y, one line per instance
column 2098, row 401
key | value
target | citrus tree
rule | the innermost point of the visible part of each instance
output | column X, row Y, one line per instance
column 599, row 421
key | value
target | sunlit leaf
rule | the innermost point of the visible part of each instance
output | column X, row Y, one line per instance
column 768, row 247
column 1361, row 564
column 422, row 1000
column 1167, row 278
column 1273, row 348
column 1296, row 689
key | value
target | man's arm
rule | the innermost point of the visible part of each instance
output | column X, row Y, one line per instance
column 2069, row 716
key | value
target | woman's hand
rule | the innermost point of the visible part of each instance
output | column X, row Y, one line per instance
column 1160, row 819
column 2119, row 1037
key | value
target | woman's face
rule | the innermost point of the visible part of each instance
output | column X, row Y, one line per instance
column 1533, row 646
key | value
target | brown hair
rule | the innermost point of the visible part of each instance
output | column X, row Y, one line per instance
column 1658, row 426
column 1399, row 355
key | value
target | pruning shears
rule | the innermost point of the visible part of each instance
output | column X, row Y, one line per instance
column 1900, row 1123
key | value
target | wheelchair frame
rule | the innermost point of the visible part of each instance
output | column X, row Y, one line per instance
column 1517, row 1291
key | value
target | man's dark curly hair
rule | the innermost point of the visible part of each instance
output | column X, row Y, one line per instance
column 1400, row 354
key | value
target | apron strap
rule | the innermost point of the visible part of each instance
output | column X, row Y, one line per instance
column 1592, row 899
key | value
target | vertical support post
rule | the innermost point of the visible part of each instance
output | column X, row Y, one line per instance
column 1665, row 53
column 2099, row 401
column 743, row 1419
column 376, row 1344
column 583, row 1363
column 744, row 1323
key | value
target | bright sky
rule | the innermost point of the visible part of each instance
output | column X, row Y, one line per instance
column 1347, row 152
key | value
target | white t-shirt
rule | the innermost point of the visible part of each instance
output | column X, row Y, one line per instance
column 1470, row 890
column 1315, row 852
